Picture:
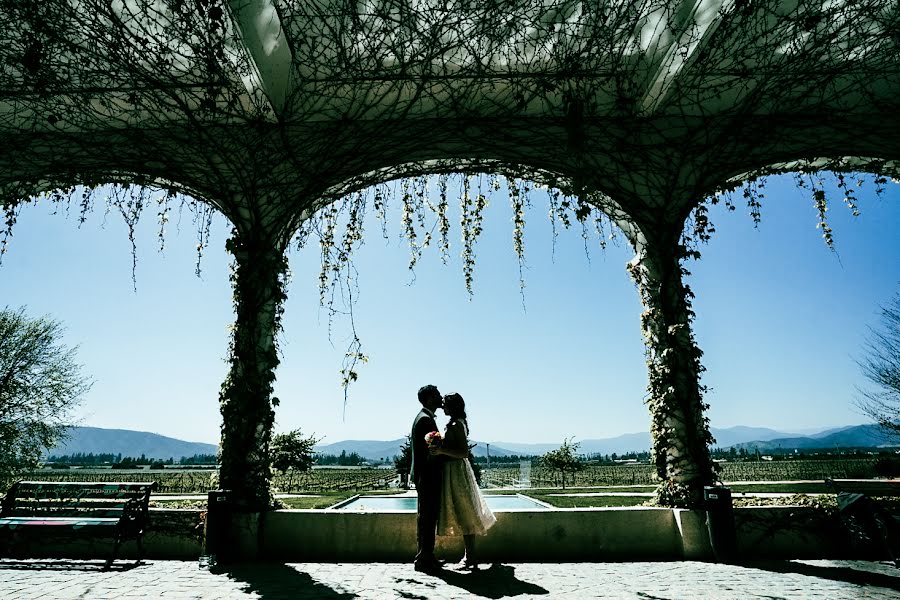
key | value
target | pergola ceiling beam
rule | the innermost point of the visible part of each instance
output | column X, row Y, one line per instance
column 701, row 68
column 700, row 25
column 267, row 47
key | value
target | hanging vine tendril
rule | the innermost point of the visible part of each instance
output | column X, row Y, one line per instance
column 127, row 201
column 658, row 105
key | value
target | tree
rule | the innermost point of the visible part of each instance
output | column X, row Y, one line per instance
column 881, row 365
column 292, row 451
column 563, row 460
column 403, row 461
column 40, row 385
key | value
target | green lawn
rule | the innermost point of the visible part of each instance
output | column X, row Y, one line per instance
column 319, row 501
column 326, row 499
column 590, row 501
column 572, row 490
column 790, row 488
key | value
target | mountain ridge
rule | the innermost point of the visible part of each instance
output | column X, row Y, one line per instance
column 859, row 436
column 128, row 442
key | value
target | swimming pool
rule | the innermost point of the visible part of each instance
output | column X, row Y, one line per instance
column 408, row 503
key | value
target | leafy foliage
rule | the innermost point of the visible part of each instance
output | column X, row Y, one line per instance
column 354, row 459
column 259, row 279
column 679, row 428
column 888, row 466
column 563, row 460
column 40, row 385
column 655, row 106
column 292, row 450
column 403, row 461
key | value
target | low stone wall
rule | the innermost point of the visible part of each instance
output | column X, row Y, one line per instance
column 172, row 534
column 595, row 534
column 558, row 535
column 175, row 534
column 790, row 532
column 591, row 534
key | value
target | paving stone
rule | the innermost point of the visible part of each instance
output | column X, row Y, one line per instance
column 177, row 580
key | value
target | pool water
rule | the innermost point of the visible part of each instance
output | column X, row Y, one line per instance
column 408, row 503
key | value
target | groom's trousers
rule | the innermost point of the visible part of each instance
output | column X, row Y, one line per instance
column 428, row 491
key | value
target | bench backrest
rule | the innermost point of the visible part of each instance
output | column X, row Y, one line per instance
column 872, row 488
column 75, row 498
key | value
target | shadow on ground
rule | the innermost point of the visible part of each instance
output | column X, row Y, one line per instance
column 274, row 581
column 844, row 574
column 497, row 581
column 57, row 564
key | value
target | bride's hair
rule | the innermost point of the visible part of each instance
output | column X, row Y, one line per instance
column 455, row 407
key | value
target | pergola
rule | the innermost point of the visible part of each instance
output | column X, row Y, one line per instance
column 269, row 110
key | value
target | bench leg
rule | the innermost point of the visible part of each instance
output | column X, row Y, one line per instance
column 115, row 552
column 10, row 544
column 140, row 548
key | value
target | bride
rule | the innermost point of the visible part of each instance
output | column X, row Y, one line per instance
column 463, row 508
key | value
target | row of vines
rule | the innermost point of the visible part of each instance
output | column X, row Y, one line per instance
column 611, row 475
column 333, row 480
column 201, row 481
column 343, row 480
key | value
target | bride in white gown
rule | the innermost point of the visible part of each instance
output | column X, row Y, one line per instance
column 463, row 508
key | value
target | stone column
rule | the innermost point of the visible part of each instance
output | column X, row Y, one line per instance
column 245, row 398
column 679, row 430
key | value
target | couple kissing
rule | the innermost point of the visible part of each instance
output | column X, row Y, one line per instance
column 449, row 501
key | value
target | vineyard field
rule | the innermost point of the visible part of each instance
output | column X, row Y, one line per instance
column 171, row 481
column 614, row 475
column 324, row 480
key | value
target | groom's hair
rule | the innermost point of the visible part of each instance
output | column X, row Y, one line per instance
column 427, row 392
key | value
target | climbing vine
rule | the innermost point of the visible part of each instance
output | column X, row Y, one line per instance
column 684, row 465
column 128, row 201
column 258, row 278
column 644, row 98
column 818, row 179
column 424, row 215
column 675, row 393
column 680, row 435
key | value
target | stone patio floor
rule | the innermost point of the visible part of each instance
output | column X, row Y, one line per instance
column 820, row 579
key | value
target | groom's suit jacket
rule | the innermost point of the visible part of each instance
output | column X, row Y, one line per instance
column 425, row 467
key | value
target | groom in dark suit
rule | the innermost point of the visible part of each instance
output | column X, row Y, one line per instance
column 426, row 474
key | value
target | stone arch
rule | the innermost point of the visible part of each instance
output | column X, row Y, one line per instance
column 680, row 430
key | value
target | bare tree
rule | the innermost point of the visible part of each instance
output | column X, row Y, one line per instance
column 40, row 384
column 881, row 365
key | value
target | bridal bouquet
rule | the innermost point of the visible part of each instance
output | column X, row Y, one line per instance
column 433, row 439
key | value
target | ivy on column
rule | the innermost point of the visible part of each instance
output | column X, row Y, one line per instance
column 680, row 436
column 258, row 281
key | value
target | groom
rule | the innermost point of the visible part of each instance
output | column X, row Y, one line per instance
column 426, row 474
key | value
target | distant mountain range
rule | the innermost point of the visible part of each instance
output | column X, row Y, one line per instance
column 134, row 443
column 128, row 443
column 859, row 436
column 854, row 436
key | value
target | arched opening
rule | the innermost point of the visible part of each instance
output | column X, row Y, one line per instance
column 147, row 342
column 496, row 345
column 562, row 254
column 821, row 235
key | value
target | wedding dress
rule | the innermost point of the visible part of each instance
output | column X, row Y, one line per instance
column 463, row 508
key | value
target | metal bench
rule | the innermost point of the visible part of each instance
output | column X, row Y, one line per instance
column 51, row 510
column 873, row 488
column 872, row 526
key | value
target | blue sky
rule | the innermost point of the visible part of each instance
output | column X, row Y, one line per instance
column 780, row 319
